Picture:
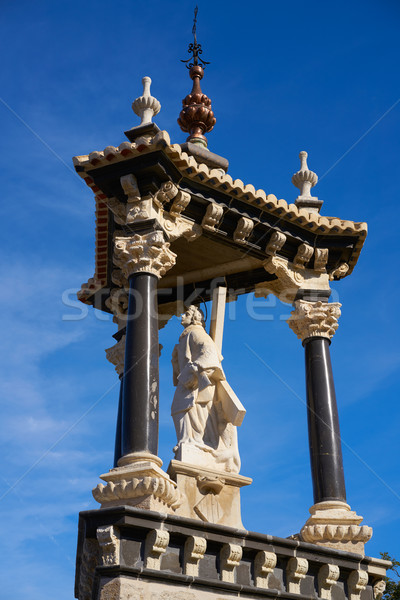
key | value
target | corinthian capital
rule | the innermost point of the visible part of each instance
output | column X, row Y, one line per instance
column 311, row 319
column 147, row 253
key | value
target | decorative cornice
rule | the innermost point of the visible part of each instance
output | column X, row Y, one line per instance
column 147, row 253
column 311, row 319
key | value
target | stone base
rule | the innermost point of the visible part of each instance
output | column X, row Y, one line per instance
column 335, row 525
column 138, row 481
column 209, row 495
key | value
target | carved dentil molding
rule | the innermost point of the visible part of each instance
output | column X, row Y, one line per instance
column 310, row 319
column 116, row 355
column 147, row 253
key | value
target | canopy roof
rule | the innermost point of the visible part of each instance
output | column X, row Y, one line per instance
column 237, row 222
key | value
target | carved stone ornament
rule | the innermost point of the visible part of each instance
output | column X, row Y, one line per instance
column 116, row 355
column 195, row 548
column 264, row 564
column 356, row 583
column 305, row 180
column 303, row 256
column 156, row 544
column 147, row 253
column 108, row 538
column 379, row 588
column 117, row 302
column 181, row 201
column 119, row 279
column 90, row 560
column 290, row 279
column 320, row 259
column 327, row 577
column 310, row 319
column 230, row 557
column 334, row 524
column 212, row 217
column 275, row 243
column 243, row 230
column 167, row 192
column 296, row 571
column 339, row 272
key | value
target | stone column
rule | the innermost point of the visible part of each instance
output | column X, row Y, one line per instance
column 138, row 479
column 116, row 356
column 332, row 522
column 143, row 260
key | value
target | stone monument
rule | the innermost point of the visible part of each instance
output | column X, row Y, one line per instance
column 174, row 229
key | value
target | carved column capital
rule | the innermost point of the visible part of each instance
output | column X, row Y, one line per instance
column 148, row 253
column 311, row 319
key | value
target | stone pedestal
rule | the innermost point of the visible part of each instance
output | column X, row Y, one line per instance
column 210, row 495
column 141, row 483
column 335, row 525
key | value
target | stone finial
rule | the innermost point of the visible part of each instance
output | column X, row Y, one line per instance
column 146, row 106
column 305, row 180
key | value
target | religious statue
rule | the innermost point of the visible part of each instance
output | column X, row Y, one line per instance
column 203, row 426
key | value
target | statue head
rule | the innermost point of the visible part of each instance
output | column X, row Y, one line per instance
column 193, row 316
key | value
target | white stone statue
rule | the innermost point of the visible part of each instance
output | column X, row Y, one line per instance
column 204, row 429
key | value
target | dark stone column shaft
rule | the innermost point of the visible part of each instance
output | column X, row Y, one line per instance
column 140, row 379
column 323, row 423
column 118, row 448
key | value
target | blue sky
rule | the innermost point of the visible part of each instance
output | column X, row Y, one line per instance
column 284, row 77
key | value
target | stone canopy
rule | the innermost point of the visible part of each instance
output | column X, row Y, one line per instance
column 218, row 227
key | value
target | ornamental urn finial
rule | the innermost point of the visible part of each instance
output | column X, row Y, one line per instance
column 146, row 106
column 196, row 116
column 305, row 180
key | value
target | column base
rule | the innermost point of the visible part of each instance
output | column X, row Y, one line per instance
column 335, row 525
column 139, row 481
column 209, row 495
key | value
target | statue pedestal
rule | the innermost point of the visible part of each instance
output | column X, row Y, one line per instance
column 211, row 495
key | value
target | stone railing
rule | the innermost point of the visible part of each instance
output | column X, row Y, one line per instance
column 125, row 551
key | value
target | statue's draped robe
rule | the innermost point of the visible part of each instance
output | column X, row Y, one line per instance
column 196, row 370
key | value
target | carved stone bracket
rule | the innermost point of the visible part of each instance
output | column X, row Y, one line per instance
column 195, row 548
column 230, row 556
column 303, row 256
column 108, row 538
column 157, row 541
column 264, row 564
column 310, row 319
column 181, row 201
column 327, row 577
column 296, row 571
column 243, row 230
column 290, row 279
column 276, row 242
column 321, row 256
column 212, row 217
column 147, row 253
column 116, row 355
column 167, row 192
column 356, row 583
